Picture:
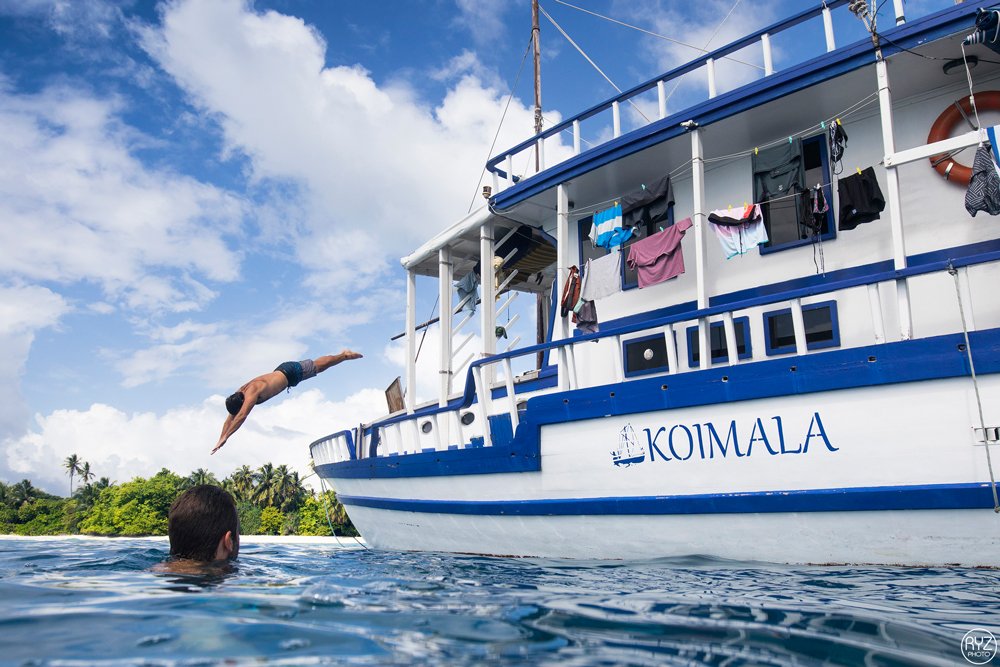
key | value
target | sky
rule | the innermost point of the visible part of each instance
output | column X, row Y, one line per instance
column 193, row 191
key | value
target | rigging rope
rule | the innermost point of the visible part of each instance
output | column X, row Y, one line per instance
column 360, row 543
column 583, row 53
column 975, row 383
column 657, row 35
column 500, row 125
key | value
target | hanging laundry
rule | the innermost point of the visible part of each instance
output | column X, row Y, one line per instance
column 570, row 293
column 586, row 318
column 648, row 206
column 778, row 171
column 603, row 276
column 468, row 286
column 818, row 208
column 606, row 230
column 659, row 257
column 838, row 142
column 738, row 230
column 984, row 187
column 861, row 199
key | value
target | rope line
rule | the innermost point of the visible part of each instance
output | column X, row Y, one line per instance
column 500, row 125
column 657, row 35
column 589, row 60
column 975, row 384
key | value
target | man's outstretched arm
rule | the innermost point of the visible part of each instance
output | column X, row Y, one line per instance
column 233, row 423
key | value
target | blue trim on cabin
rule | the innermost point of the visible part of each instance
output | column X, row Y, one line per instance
column 817, row 70
column 917, row 360
column 857, row 499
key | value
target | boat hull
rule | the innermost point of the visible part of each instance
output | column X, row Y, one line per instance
column 899, row 537
column 893, row 474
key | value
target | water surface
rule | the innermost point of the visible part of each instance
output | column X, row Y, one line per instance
column 91, row 601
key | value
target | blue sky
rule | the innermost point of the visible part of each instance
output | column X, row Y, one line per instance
column 194, row 191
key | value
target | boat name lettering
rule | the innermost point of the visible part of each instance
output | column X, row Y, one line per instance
column 681, row 442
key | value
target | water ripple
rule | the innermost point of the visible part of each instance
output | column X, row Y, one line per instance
column 78, row 601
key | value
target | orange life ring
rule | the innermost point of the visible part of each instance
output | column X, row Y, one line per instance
column 942, row 128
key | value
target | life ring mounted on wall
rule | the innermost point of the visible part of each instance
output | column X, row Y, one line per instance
column 959, row 112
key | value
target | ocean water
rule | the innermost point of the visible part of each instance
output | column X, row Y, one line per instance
column 75, row 601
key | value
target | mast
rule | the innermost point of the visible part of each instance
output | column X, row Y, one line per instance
column 538, row 76
column 541, row 300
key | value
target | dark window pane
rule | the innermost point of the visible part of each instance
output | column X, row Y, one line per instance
column 780, row 330
column 819, row 324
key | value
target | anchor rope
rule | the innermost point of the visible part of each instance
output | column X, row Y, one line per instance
column 322, row 485
column 975, row 383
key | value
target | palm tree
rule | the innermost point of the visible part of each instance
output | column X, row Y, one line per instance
column 23, row 492
column 85, row 473
column 89, row 494
column 240, row 483
column 72, row 465
column 263, row 493
column 199, row 477
column 288, row 492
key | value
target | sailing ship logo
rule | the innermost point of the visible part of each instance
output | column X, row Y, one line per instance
column 629, row 451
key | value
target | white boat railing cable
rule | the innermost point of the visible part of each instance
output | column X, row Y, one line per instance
column 975, row 385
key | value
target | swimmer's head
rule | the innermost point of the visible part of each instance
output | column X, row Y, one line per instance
column 234, row 403
column 203, row 525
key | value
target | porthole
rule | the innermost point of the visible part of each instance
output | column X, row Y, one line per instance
column 427, row 427
column 468, row 418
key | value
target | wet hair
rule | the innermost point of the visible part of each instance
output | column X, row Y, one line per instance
column 199, row 518
column 235, row 402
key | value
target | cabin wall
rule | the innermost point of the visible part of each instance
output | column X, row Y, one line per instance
column 934, row 218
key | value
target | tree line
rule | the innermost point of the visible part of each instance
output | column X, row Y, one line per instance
column 271, row 501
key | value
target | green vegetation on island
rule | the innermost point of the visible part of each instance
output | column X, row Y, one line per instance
column 271, row 500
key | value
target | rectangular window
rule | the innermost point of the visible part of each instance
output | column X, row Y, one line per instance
column 821, row 325
column 645, row 355
column 789, row 218
column 717, row 339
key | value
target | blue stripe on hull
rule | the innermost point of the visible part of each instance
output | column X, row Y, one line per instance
column 865, row 499
column 924, row 359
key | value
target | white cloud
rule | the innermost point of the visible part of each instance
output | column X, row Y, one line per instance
column 483, row 19
column 24, row 310
column 379, row 169
column 121, row 446
column 223, row 355
column 77, row 205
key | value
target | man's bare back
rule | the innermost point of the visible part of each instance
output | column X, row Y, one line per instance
column 269, row 385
